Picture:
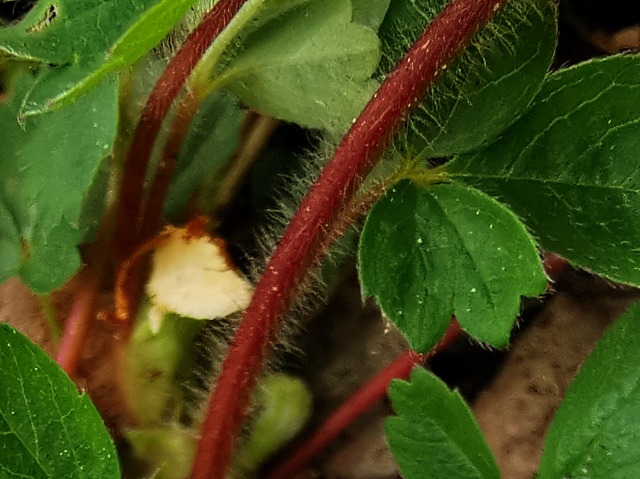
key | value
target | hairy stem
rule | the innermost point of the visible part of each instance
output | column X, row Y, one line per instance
column 302, row 241
column 358, row 403
column 201, row 82
column 165, row 91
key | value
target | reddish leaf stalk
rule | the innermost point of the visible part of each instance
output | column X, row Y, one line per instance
column 357, row 404
column 85, row 302
column 302, row 241
column 78, row 323
column 129, row 206
column 130, row 275
column 153, row 206
column 133, row 270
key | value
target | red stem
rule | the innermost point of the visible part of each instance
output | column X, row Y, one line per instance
column 83, row 310
column 302, row 241
column 85, row 299
column 78, row 323
column 153, row 206
column 357, row 404
column 133, row 270
column 129, row 206
column 373, row 391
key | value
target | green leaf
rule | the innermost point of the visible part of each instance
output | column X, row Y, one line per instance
column 307, row 63
column 70, row 31
column 85, row 40
column 47, row 429
column 54, row 85
column 569, row 167
column 49, row 171
column 370, row 13
column 488, row 87
column 596, row 429
column 427, row 254
column 434, row 434
column 213, row 138
column 147, row 32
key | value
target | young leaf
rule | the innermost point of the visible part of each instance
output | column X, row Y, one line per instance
column 569, row 167
column 47, row 429
column 86, row 40
column 596, row 429
column 427, row 254
column 488, row 87
column 49, row 169
column 307, row 63
column 434, row 434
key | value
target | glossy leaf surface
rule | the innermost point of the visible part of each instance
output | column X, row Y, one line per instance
column 428, row 254
column 47, row 429
column 569, row 167
column 85, row 40
column 595, row 432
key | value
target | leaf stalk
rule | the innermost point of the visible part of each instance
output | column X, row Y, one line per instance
column 168, row 86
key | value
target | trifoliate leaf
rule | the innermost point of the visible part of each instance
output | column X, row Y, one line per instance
column 428, row 254
column 487, row 87
column 48, row 172
column 434, row 434
column 595, row 432
column 193, row 276
column 308, row 63
column 569, row 167
column 47, row 428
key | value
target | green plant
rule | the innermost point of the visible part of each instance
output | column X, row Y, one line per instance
column 535, row 159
